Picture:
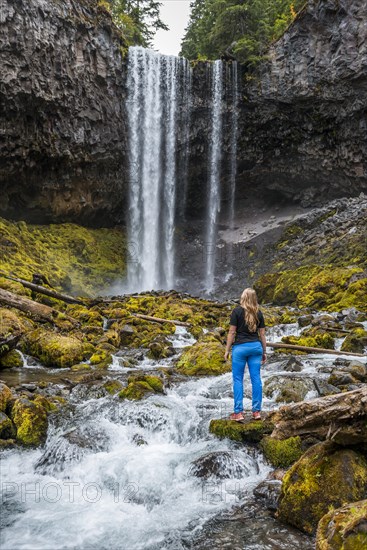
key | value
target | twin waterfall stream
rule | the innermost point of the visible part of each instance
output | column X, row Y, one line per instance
column 159, row 110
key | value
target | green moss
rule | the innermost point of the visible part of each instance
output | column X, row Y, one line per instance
column 73, row 258
column 204, row 358
column 5, row 397
column 81, row 367
column 323, row 340
column 252, row 431
column 112, row 386
column 141, row 385
column 54, row 349
column 12, row 359
column 30, row 419
column 344, row 528
column 282, row 454
column 101, row 358
column 325, row 476
column 355, row 342
column 47, row 404
column 10, row 323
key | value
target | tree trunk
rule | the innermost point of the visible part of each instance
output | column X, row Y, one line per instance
column 46, row 291
column 280, row 345
column 42, row 311
column 341, row 417
column 159, row 320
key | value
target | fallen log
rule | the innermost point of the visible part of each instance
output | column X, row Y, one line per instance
column 26, row 305
column 341, row 417
column 7, row 344
column 43, row 290
column 280, row 345
column 159, row 320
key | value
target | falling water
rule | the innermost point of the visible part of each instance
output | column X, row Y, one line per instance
column 153, row 132
column 214, row 172
column 186, row 86
column 233, row 143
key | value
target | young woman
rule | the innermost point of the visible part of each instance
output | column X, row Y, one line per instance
column 247, row 337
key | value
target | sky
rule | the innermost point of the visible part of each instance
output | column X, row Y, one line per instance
column 175, row 13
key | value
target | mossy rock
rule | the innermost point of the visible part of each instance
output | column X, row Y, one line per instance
column 10, row 324
column 204, row 358
column 7, row 428
column 321, row 340
column 282, row 453
column 265, row 287
column 6, row 397
column 81, row 367
column 49, row 405
column 141, row 385
column 112, row 386
column 53, row 349
column 344, row 528
column 101, row 359
column 10, row 360
column 325, row 476
column 356, row 342
column 73, row 258
column 252, row 431
column 160, row 348
column 85, row 315
column 30, row 419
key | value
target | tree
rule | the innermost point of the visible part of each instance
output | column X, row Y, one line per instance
column 139, row 20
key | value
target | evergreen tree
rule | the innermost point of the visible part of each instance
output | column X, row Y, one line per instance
column 139, row 20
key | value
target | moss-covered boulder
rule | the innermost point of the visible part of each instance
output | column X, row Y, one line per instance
column 325, row 476
column 282, row 453
column 30, row 419
column 356, row 342
column 7, row 428
column 204, row 358
column 53, row 349
column 10, row 360
column 251, row 431
column 112, row 386
column 160, row 348
column 344, row 528
column 140, row 386
column 322, row 340
column 5, row 397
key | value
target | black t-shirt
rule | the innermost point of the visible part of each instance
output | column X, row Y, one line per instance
column 243, row 333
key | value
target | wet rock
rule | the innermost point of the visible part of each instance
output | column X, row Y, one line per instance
column 287, row 389
column 305, row 320
column 204, row 358
column 248, row 431
column 268, row 491
column 324, row 388
column 7, row 428
column 356, row 341
column 343, row 528
column 325, row 476
column 5, row 397
column 30, row 419
column 112, row 386
column 139, row 440
column 126, row 334
column 292, row 365
column 140, row 386
column 223, row 465
column 12, row 359
column 54, row 349
column 340, row 378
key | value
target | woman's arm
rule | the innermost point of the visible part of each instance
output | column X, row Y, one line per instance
column 263, row 342
column 230, row 338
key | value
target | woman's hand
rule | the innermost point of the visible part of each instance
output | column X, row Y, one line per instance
column 226, row 355
column 263, row 360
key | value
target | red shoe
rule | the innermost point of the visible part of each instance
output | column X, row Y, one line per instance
column 256, row 415
column 238, row 417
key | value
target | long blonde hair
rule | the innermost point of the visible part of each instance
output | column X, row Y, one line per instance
column 250, row 304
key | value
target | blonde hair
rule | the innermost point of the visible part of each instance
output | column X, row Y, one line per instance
column 250, row 304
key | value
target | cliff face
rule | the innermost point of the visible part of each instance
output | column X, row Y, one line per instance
column 305, row 117
column 303, row 113
column 63, row 136
column 63, row 141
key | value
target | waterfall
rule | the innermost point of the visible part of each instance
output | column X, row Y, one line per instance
column 153, row 116
column 233, row 143
column 214, row 173
column 186, row 87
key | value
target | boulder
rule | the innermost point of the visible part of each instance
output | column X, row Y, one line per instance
column 287, row 389
column 344, row 528
column 7, row 429
column 325, row 476
column 223, row 465
column 251, row 431
column 30, row 419
column 204, row 358
column 5, row 397
column 53, row 349
column 140, row 386
column 268, row 491
column 282, row 453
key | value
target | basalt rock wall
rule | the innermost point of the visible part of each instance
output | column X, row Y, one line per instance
column 63, row 141
column 63, row 134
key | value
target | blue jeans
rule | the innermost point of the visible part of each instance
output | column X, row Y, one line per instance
column 250, row 353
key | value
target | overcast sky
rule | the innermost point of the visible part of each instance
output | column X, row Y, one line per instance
column 175, row 13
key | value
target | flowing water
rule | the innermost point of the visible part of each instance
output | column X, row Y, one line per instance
column 144, row 475
column 154, row 130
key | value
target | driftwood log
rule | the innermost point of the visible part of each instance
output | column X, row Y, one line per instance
column 160, row 320
column 280, row 345
column 341, row 417
column 43, row 290
column 41, row 311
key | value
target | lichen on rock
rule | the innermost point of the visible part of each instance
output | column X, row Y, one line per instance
column 30, row 419
column 344, row 528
